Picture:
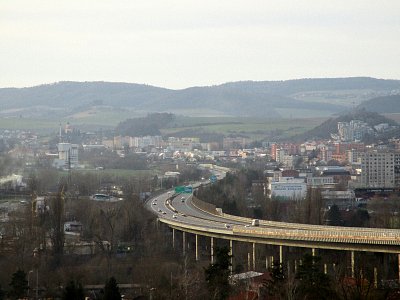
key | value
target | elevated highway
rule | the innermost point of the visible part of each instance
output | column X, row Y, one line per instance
column 190, row 215
column 186, row 215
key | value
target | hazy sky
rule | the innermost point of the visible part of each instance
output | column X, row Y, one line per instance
column 181, row 43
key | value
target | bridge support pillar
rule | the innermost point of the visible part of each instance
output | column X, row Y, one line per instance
column 266, row 262
column 197, row 247
column 173, row 238
column 375, row 277
column 254, row 256
column 325, row 269
column 280, row 255
column 352, row 264
column 398, row 261
column 248, row 261
column 231, row 254
column 212, row 250
column 313, row 251
column 184, row 243
column 295, row 265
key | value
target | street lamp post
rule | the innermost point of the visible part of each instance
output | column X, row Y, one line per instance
column 36, row 255
column 37, row 283
column 29, row 282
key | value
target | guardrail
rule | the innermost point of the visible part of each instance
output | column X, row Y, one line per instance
column 300, row 226
column 207, row 207
column 321, row 236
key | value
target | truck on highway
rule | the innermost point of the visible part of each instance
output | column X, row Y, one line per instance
column 255, row 222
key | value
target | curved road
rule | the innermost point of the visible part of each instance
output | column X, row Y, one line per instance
column 179, row 212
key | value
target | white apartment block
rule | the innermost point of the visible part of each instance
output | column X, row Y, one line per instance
column 67, row 156
column 353, row 130
column 145, row 141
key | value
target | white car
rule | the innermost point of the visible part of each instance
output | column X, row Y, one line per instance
column 227, row 226
column 174, row 216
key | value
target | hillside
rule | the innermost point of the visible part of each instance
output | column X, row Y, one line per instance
column 386, row 104
column 271, row 99
column 324, row 130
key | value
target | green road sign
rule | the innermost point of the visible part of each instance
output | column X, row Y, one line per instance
column 179, row 189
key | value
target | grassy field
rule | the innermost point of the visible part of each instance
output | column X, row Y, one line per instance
column 27, row 123
column 254, row 128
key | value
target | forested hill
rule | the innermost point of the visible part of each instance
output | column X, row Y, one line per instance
column 324, row 130
column 149, row 125
column 386, row 104
column 297, row 98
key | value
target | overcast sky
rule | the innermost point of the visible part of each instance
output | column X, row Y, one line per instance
column 182, row 43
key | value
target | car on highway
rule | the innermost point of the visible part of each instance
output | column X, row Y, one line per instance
column 227, row 226
column 183, row 215
column 154, row 203
column 183, row 199
column 159, row 210
column 164, row 213
column 174, row 216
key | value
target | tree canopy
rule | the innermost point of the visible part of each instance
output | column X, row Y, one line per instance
column 217, row 275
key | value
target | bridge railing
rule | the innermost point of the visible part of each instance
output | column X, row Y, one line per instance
column 325, row 236
column 295, row 226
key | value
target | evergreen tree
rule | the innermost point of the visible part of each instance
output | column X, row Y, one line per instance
column 2, row 293
column 19, row 285
column 313, row 283
column 217, row 275
column 334, row 216
column 73, row 291
column 276, row 286
column 111, row 290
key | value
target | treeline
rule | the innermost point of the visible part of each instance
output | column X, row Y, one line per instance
column 231, row 193
column 149, row 125
column 111, row 160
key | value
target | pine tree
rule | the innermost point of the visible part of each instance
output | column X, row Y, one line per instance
column 2, row 293
column 111, row 290
column 217, row 275
column 19, row 285
column 73, row 291
column 334, row 216
column 313, row 283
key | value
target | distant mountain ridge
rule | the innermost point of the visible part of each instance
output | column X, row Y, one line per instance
column 246, row 98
